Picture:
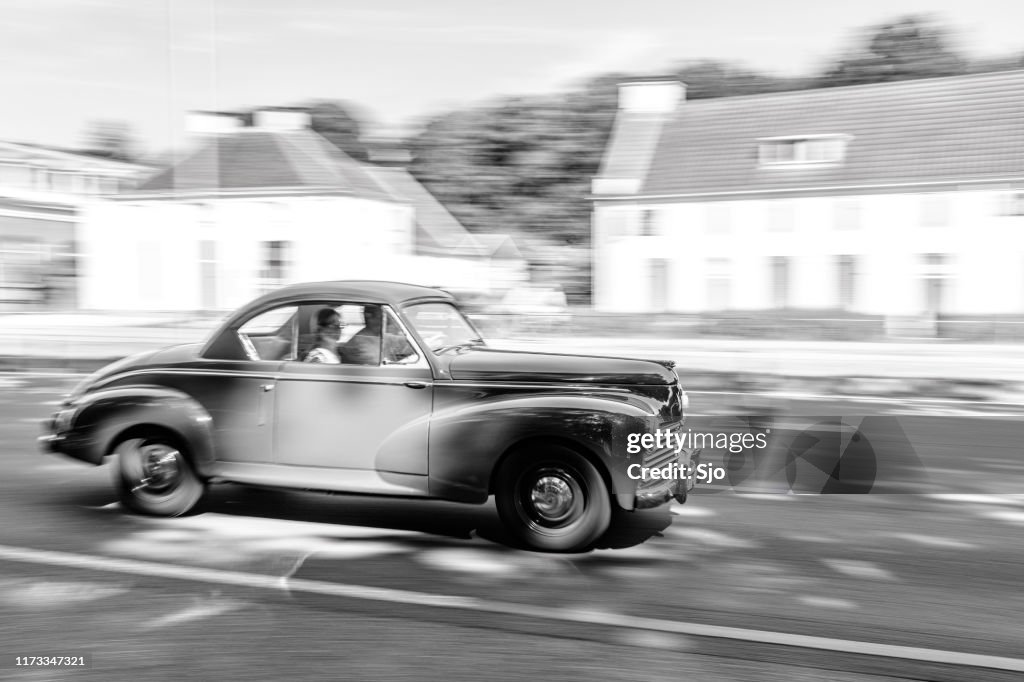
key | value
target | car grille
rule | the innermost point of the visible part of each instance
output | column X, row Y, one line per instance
column 656, row 460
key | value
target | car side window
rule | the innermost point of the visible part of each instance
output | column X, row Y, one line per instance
column 270, row 335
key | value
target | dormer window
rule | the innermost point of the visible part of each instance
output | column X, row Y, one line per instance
column 802, row 150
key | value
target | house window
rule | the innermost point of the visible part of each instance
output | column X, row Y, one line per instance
column 847, row 215
column 780, row 267
column 719, row 218
column 276, row 263
column 648, row 226
column 935, row 282
column 810, row 149
column 659, row 283
column 1010, row 204
column 89, row 184
column 21, row 270
column 719, row 279
column 42, row 179
column 846, row 275
column 934, row 211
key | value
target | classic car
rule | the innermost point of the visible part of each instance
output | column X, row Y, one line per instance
column 432, row 412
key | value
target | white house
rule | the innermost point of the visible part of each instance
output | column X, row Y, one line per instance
column 255, row 207
column 894, row 199
column 42, row 193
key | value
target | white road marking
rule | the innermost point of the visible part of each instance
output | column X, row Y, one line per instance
column 468, row 561
column 207, row 609
column 41, row 594
column 691, row 511
column 1016, row 517
column 981, row 498
column 932, row 541
column 394, row 596
column 827, row 602
column 710, row 537
column 858, row 569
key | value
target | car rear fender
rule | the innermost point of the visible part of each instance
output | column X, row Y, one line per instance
column 103, row 417
column 468, row 441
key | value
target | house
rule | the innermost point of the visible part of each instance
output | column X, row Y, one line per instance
column 894, row 199
column 253, row 207
column 43, row 192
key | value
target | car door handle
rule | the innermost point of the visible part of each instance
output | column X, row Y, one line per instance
column 267, row 387
column 415, row 384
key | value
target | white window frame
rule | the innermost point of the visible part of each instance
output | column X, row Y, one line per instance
column 803, row 146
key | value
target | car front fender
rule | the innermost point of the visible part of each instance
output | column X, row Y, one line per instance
column 468, row 440
column 103, row 417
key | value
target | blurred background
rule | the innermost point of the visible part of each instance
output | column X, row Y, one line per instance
column 816, row 212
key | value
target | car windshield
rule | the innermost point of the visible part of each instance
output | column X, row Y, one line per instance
column 441, row 325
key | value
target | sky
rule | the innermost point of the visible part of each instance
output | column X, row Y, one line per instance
column 64, row 63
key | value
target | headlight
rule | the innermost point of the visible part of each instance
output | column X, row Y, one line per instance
column 63, row 419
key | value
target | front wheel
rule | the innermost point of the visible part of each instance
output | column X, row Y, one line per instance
column 154, row 476
column 552, row 499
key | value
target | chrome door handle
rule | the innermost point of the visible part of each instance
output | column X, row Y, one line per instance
column 415, row 384
column 267, row 387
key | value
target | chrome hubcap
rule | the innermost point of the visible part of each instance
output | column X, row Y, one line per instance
column 160, row 466
column 552, row 498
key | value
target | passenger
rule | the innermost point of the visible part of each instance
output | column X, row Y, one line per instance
column 328, row 334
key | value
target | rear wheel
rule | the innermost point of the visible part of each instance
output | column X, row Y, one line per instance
column 552, row 498
column 155, row 477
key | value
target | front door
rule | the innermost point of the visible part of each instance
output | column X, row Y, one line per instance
column 369, row 413
column 239, row 397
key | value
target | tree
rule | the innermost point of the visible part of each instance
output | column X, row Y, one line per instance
column 911, row 47
column 335, row 121
column 110, row 139
column 711, row 78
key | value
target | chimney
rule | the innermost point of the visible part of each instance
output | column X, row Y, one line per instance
column 651, row 96
column 212, row 122
column 281, row 118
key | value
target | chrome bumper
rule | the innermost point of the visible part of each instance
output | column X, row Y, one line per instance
column 656, row 492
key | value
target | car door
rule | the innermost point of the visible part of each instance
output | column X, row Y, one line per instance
column 235, row 383
column 359, row 417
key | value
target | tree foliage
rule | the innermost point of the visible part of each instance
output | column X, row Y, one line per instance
column 338, row 122
column 110, row 139
column 910, row 47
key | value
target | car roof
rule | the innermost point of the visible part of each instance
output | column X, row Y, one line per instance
column 362, row 291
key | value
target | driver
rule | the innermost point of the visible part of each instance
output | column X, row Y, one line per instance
column 365, row 347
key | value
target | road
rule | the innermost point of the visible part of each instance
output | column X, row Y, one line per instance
column 264, row 585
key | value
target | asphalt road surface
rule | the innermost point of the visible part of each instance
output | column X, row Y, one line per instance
column 922, row 581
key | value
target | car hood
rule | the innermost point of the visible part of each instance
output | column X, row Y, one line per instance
column 488, row 364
